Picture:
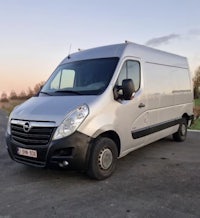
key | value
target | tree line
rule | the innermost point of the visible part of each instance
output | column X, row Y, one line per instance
column 196, row 83
column 23, row 95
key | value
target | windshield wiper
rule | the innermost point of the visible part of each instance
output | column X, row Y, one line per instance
column 69, row 91
column 46, row 93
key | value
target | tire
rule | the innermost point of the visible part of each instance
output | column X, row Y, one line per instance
column 103, row 158
column 181, row 134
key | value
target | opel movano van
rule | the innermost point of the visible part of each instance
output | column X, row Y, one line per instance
column 99, row 105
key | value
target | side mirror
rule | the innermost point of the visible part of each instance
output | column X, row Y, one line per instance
column 127, row 88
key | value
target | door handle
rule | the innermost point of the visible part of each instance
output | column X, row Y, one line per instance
column 141, row 105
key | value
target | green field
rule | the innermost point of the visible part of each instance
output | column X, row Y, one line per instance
column 196, row 124
column 197, row 102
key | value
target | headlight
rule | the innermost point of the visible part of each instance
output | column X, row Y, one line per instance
column 71, row 122
column 9, row 120
column 9, row 127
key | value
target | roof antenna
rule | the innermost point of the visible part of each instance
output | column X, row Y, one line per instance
column 70, row 46
column 126, row 41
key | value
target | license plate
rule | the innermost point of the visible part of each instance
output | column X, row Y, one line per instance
column 27, row 152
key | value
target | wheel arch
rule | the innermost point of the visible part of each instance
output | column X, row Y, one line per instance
column 186, row 116
column 114, row 136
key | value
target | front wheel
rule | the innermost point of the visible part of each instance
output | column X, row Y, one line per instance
column 181, row 134
column 103, row 158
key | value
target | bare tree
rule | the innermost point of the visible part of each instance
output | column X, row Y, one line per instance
column 30, row 93
column 22, row 95
column 4, row 97
column 38, row 87
column 13, row 95
column 196, row 82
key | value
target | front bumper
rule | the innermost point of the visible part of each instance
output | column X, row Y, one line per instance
column 74, row 149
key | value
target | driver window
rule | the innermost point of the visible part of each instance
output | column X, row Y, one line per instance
column 130, row 70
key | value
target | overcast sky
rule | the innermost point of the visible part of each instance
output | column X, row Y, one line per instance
column 35, row 35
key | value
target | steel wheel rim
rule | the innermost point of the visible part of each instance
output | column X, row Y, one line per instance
column 105, row 158
column 183, row 129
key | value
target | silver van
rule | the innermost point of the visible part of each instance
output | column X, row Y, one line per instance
column 99, row 105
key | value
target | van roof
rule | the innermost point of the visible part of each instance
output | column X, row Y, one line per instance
column 123, row 50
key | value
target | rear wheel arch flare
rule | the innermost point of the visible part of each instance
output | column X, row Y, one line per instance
column 186, row 116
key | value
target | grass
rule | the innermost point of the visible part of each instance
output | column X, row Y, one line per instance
column 197, row 102
column 196, row 124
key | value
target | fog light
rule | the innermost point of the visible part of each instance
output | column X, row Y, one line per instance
column 63, row 164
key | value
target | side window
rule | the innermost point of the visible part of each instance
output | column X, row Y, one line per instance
column 130, row 70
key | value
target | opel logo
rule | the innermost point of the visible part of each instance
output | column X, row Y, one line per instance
column 27, row 127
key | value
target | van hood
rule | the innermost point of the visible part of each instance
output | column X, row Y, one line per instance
column 49, row 108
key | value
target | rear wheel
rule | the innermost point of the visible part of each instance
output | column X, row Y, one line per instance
column 103, row 158
column 181, row 134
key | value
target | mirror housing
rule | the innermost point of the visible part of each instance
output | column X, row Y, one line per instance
column 128, row 88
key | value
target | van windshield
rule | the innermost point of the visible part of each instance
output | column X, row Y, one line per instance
column 86, row 77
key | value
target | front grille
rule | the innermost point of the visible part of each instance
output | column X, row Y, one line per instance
column 35, row 136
